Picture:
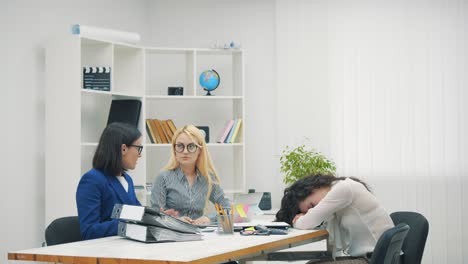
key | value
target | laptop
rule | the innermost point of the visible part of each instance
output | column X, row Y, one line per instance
column 248, row 198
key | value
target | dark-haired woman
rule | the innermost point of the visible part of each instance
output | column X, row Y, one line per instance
column 108, row 183
column 352, row 214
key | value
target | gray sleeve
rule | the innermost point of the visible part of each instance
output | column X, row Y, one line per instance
column 218, row 196
column 158, row 193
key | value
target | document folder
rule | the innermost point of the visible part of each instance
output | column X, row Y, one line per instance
column 150, row 216
column 153, row 234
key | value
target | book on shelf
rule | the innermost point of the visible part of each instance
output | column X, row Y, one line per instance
column 231, row 132
column 236, row 130
column 160, row 130
column 97, row 78
column 172, row 126
column 149, row 131
column 125, row 111
column 149, row 216
column 167, row 130
column 157, row 138
column 225, row 131
column 153, row 234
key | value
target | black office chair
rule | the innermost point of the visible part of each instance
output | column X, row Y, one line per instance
column 413, row 247
column 63, row 230
column 386, row 251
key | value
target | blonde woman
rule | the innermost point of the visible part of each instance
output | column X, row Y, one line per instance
column 189, row 181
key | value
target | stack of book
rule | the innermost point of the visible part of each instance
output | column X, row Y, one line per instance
column 149, row 225
column 97, row 78
column 230, row 132
column 160, row 131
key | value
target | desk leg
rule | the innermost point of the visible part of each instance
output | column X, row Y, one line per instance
column 331, row 248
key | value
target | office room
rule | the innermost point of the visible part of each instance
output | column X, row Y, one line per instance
column 379, row 87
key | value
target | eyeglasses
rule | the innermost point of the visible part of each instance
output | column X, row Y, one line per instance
column 140, row 148
column 180, row 147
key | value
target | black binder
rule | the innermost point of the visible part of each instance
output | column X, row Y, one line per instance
column 125, row 111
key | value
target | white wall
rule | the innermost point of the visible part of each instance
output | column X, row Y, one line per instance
column 395, row 96
column 26, row 28
column 185, row 23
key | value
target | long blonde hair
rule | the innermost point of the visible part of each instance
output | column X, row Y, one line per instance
column 204, row 162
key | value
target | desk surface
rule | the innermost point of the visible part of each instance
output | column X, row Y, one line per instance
column 212, row 249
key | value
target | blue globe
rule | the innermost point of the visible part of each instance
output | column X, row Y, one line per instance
column 209, row 80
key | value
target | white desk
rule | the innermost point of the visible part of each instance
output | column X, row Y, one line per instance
column 212, row 249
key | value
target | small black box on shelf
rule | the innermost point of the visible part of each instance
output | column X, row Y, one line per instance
column 175, row 90
column 205, row 130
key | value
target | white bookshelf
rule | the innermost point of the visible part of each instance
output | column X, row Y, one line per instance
column 75, row 117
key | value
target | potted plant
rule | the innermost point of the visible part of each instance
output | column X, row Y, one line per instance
column 301, row 161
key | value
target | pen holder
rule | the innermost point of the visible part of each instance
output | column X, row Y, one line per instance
column 225, row 224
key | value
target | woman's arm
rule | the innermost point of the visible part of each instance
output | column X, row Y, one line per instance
column 89, row 203
column 339, row 197
column 158, row 192
column 217, row 196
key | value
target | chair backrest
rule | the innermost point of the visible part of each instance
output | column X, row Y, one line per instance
column 413, row 247
column 63, row 230
column 388, row 247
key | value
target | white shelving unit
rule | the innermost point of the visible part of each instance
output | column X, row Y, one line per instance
column 75, row 117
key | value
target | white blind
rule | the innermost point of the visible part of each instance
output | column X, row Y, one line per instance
column 397, row 93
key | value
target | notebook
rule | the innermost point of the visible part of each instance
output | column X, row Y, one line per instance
column 125, row 111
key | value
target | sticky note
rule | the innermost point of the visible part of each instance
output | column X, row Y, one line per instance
column 240, row 210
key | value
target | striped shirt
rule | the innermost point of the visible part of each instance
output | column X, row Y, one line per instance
column 171, row 190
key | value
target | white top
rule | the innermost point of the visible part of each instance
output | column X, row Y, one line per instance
column 123, row 182
column 354, row 218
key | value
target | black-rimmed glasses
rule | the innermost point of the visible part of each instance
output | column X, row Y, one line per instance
column 180, row 147
column 140, row 147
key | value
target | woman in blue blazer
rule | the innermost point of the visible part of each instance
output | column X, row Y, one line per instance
column 107, row 183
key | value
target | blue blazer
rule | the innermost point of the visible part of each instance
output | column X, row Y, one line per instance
column 95, row 198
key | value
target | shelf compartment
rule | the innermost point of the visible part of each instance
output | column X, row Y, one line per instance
column 95, row 108
column 169, row 68
column 228, row 64
column 196, row 112
column 128, row 71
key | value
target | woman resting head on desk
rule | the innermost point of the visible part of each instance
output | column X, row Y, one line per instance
column 353, row 216
column 189, row 181
column 108, row 183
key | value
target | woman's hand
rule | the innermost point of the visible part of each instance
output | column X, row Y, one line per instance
column 201, row 221
column 186, row 219
column 297, row 217
column 170, row 212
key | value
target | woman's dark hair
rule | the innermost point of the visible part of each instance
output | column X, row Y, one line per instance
column 300, row 190
column 108, row 155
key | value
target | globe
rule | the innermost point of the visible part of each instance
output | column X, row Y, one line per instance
column 209, row 80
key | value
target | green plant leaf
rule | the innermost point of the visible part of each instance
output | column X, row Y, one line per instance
column 300, row 161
